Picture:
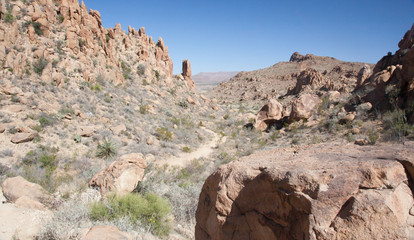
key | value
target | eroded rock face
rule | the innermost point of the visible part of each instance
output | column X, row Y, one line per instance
column 322, row 191
column 121, row 176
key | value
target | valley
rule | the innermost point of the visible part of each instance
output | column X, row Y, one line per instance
column 100, row 140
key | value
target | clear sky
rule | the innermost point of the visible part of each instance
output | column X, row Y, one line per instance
column 243, row 35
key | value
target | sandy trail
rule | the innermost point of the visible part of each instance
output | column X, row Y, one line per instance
column 184, row 159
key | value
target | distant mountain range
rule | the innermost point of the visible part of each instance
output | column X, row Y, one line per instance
column 205, row 81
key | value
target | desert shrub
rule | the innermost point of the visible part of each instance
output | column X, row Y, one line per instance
column 183, row 104
column 106, row 149
column 164, row 134
column 141, row 69
column 126, row 71
column 186, row 149
column 185, row 122
column 46, row 120
column 66, row 222
column 96, row 87
column 8, row 18
column 39, row 165
column 150, row 209
column 39, row 65
column 157, row 75
column 143, row 107
column 373, row 136
column 38, row 28
column 61, row 18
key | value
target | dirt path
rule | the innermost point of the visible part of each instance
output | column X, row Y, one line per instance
column 185, row 158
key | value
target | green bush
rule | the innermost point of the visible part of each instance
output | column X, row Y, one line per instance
column 157, row 75
column 39, row 65
column 46, row 120
column 150, row 209
column 8, row 18
column 164, row 134
column 96, row 87
column 106, row 149
column 186, row 149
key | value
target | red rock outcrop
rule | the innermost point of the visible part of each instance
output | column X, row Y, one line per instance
column 326, row 191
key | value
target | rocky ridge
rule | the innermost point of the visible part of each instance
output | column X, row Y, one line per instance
column 302, row 74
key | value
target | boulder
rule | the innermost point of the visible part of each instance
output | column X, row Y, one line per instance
column 121, row 176
column 118, row 129
column 22, row 137
column 106, row 233
column 27, row 202
column 87, row 131
column 268, row 114
column 347, row 118
column 17, row 187
column 303, row 107
column 324, row 191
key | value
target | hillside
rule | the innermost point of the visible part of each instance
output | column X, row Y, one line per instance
column 273, row 82
column 205, row 81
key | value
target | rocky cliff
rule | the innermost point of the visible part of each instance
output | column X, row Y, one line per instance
column 325, row 191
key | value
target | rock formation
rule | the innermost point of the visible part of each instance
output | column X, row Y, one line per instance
column 187, row 74
column 121, row 176
column 391, row 83
column 324, row 191
column 70, row 37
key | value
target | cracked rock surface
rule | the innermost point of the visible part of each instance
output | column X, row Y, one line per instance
column 324, row 191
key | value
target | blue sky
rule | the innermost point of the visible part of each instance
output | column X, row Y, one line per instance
column 231, row 35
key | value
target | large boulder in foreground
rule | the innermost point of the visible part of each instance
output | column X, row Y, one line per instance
column 17, row 189
column 268, row 114
column 325, row 191
column 121, row 176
